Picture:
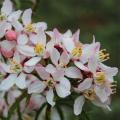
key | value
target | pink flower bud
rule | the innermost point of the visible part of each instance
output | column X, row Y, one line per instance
column 11, row 35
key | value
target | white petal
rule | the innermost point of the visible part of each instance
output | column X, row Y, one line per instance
column 28, row 69
column 42, row 37
column 5, row 67
column 101, row 93
column 42, row 73
column 50, row 69
column 17, row 25
column 34, row 38
column 93, row 64
column 7, row 83
column 79, row 102
column 76, row 35
column 63, row 88
column 73, row 72
column 17, row 57
column 36, row 87
column 68, row 33
column 15, row 15
column 7, row 7
column 81, row 66
column 110, row 71
column 68, row 43
column 22, row 39
column 40, row 26
column 64, row 58
column 86, row 84
column 33, row 61
column 7, row 45
column 50, row 97
column 103, row 105
column 55, row 56
column 26, row 18
column 58, row 74
column 3, row 27
column 20, row 81
column 26, row 50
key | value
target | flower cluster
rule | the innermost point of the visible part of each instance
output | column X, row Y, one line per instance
column 49, row 65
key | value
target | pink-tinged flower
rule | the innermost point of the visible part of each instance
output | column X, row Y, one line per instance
column 98, row 88
column 61, row 61
column 7, row 16
column 16, row 75
column 7, row 48
column 28, row 26
column 36, row 101
column 88, row 92
column 12, row 95
column 11, row 35
column 103, row 78
column 36, row 50
column 52, row 79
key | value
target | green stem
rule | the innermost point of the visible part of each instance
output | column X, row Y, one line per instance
column 48, row 112
column 39, row 111
column 19, row 113
column 35, row 5
column 15, row 105
column 86, row 116
column 60, row 112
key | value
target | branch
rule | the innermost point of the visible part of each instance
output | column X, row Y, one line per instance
column 48, row 112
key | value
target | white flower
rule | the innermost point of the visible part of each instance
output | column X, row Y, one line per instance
column 16, row 75
column 28, row 26
column 52, row 79
column 36, row 51
column 7, row 16
column 61, row 61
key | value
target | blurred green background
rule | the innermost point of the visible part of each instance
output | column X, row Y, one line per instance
column 98, row 17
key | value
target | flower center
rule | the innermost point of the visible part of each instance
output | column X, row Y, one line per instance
column 90, row 94
column 2, row 17
column 39, row 48
column 77, row 52
column 99, row 78
column 15, row 67
column 103, row 55
column 29, row 28
column 50, row 83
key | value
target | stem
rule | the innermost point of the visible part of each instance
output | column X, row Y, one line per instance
column 19, row 113
column 39, row 111
column 35, row 5
column 15, row 105
column 60, row 112
column 48, row 112
column 86, row 116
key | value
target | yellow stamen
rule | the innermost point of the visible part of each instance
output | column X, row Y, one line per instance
column 2, row 17
column 113, row 86
column 90, row 94
column 15, row 67
column 99, row 78
column 50, row 83
column 103, row 55
column 39, row 48
column 29, row 28
column 77, row 51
